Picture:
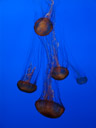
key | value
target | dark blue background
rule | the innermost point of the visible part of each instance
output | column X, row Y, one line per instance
column 76, row 24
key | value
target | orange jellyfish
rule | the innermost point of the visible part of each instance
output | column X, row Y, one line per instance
column 24, row 84
column 49, row 104
column 28, row 81
column 44, row 26
column 58, row 72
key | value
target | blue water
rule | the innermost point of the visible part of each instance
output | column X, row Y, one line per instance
column 76, row 26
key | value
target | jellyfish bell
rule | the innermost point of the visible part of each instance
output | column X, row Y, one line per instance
column 59, row 73
column 43, row 26
column 81, row 80
column 49, row 109
column 26, row 86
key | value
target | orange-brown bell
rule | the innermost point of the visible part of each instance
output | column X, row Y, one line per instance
column 26, row 86
column 43, row 26
column 49, row 108
column 59, row 73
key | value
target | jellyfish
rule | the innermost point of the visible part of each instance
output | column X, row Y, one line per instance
column 49, row 104
column 28, row 81
column 24, row 84
column 80, row 77
column 43, row 26
column 58, row 71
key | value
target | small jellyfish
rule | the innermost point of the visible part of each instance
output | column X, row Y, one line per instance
column 79, row 75
column 82, row 80
column 59, row 73
column 44, row 25
column 49, row 104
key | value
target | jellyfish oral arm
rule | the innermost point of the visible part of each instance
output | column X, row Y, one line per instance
column 29, row 74
column 48, row 15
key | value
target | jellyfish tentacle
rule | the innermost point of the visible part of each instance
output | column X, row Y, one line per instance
column 74, row 69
